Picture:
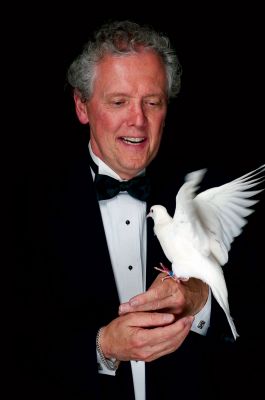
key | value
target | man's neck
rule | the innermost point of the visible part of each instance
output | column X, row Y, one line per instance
column 104, row 169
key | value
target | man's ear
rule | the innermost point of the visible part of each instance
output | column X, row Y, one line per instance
column 81, row 110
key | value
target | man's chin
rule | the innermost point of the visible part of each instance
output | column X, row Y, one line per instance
column 128, row 171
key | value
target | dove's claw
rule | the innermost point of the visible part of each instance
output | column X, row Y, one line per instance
column 169, row 274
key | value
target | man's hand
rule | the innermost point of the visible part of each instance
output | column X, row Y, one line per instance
column 144, row 336
column 179, row 298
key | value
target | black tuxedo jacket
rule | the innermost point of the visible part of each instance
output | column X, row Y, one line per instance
column 65, row 291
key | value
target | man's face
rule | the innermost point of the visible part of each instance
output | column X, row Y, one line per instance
column 127, row 110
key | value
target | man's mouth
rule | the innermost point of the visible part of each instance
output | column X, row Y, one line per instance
column 132, row 140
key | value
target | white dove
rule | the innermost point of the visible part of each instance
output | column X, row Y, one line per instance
column 198, row 237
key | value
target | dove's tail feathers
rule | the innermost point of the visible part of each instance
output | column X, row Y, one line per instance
column 223, row 302
column 232, row 326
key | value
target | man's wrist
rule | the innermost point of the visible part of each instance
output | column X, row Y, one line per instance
column 201, row 321
column 110, row 363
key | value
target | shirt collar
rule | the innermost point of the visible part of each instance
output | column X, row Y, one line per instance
column 104, row 169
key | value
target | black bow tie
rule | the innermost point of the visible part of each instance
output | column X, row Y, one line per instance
column 107, row 187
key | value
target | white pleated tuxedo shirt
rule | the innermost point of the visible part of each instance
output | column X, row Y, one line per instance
column 124, row 220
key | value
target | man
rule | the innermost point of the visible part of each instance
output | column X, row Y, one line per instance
column 97, row 251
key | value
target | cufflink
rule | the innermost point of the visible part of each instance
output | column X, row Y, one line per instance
column 201, row 324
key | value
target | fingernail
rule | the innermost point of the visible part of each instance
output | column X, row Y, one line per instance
column 124, row 308
column 168, row 317
column 133, row 303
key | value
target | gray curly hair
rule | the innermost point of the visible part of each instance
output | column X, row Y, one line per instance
column 122, row 38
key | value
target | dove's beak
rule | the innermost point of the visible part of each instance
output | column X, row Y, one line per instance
column 148, row 215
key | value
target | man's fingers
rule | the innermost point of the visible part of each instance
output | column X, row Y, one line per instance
column 152, row 319
column 182, row 328
column 165, row 333
column 153, row 343
column 160, row 304
column 160, row 296
column 157, row 291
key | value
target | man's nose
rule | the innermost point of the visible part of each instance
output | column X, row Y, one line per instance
column 137, row 116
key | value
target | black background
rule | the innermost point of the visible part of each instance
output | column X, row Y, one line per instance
column 216, row 122
column 218, row 116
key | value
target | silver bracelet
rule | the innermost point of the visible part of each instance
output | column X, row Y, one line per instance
column 110, row 363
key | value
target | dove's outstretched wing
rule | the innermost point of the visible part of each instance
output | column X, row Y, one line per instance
column 203, row 228
column 186, row 220
column 222, row 211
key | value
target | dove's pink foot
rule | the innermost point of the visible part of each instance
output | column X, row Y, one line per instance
column 169, row 274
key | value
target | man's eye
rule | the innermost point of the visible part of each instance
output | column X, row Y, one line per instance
column 153, row 103
column 118, row 102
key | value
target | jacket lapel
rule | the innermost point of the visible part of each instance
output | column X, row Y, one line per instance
column 89, row 269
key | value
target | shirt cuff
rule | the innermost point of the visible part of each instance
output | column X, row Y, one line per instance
column 102, row 369
column 201, row 321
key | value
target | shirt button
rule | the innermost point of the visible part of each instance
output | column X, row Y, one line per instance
column 130, row 267
column 128, row 222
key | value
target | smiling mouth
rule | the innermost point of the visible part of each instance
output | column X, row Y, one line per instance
column 132, row 140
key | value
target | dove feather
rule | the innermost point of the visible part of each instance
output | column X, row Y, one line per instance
column 230, row 218
column 186, row 215
column 198, row 237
